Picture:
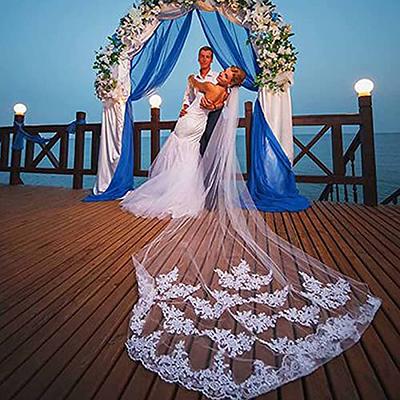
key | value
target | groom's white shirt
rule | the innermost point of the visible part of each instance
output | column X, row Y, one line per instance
column 190, row 92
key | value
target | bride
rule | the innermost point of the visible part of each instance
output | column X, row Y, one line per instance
column 175, row 186
column 226, row 306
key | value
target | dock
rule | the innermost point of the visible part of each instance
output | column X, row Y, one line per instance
column 68, row 286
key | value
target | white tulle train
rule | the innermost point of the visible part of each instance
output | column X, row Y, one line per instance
column 226, row 306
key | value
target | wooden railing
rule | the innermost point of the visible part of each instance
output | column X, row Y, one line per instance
column 59, row 161
column 392, row 198
column 155, row 126
column 341, row 181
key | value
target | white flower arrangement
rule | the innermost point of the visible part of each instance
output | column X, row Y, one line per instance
column 270, row 37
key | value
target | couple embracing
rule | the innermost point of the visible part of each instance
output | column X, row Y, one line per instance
column 177, row 184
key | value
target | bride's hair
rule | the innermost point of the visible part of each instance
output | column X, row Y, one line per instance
column 238, row 76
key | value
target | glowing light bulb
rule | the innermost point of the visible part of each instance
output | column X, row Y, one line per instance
column 20, row 109
column 155, row 101
column 364, row 87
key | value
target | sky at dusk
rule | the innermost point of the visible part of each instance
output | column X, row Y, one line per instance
column 47, row 51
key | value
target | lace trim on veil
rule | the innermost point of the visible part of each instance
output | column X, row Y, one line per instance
column 299, row 357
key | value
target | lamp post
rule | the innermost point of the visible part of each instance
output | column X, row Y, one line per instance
column 155, row 103
column 364, row 88
column 19, row 118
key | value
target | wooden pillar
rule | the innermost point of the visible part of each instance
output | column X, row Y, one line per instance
column 368, row 151
column 248, row 113
column 15, row 178
column 80, row 115
column 137, row 150
column 155, row 132
column 79, row 155
column 337, row 155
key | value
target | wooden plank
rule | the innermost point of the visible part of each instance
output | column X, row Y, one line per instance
column 377, row 353
column 73, row 347
column 79, row 315
column 377, row 222
column 20, row 294
column 18, row 262
column 367, row 383
column 43, row 301
column 316, row 384
column 389, row 224
column 337, row 370
column 366, row 266
column 373, row 242
column 326, row 119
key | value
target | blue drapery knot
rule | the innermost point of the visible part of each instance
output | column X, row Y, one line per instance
column 20, row 134
column 71, row 128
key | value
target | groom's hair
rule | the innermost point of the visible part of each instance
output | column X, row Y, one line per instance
column 206, row 48
column 238, row 75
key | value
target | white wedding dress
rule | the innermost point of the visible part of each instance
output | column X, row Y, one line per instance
column 226, row 306
column 175, row 186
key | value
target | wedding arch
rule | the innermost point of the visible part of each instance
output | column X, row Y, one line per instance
column 142, row 53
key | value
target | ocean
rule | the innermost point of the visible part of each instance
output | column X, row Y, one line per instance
column 387, row 162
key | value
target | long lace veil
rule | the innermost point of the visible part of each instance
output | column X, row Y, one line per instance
column 229, row 308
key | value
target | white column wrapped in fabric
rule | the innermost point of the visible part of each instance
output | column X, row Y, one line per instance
column 114, row 107
column 113, row 115
column 111, row 128
column 110, row 144
column 277, row 109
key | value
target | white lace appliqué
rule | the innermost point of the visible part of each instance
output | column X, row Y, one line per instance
column 299, row 356
column 331, row 296
column 241, row 279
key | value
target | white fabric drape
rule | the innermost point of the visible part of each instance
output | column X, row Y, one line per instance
column 110, row 144
column 277, row 109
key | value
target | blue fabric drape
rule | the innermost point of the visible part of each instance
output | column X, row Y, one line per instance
column 271, row 180
column 21, row 134
column 71, row 128
column 149, row 69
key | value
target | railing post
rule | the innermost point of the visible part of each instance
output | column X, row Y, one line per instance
column 337, row 155
column 155, row 132
column 15, row 178
column 248, row 112
column 78, row 157
column 368, row 151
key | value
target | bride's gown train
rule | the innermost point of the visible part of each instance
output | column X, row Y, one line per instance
column 175, row 186
column 226, row 306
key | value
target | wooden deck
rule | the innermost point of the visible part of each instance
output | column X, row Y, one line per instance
column 67, row 287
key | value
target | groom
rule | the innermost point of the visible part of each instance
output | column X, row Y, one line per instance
column 205, row 74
